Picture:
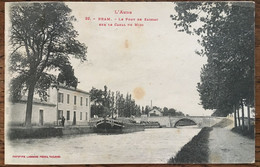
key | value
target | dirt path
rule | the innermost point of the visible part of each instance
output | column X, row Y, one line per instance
column 228, row 147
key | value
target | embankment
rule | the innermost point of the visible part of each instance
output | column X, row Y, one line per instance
column 196, row 151
column 223, row 123
column 45, row 132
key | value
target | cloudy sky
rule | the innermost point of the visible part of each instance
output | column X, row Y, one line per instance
column 152, row 62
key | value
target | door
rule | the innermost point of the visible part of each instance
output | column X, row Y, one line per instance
column 41, row 118
column 60, row 115
column 74, row 118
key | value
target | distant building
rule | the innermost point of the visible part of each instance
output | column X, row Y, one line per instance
column 73, row 104
column 154, row 112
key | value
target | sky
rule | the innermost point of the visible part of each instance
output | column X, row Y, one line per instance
column 153, row 62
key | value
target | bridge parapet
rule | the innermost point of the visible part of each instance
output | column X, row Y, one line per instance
column 201, row 121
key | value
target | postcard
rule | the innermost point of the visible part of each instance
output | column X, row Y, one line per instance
column 129, row 83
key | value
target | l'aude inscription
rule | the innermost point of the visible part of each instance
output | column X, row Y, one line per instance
column 121, row 18
column 123, row 12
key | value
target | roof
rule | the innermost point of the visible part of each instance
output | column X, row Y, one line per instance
column 36, row 101
column 74, row 89
column 155, row 109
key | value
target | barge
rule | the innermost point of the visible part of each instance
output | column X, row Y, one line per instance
column 108, row 125
column 151, row 124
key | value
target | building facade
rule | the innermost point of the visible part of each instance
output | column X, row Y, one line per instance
column 154, row 112
column 74, row 105
column 70, row 103
column 43, row 113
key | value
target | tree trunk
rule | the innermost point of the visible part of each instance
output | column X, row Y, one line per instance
column 238, row 117
column 235, row 116
column 243, row 117
column 248, row 117
column 28, row 116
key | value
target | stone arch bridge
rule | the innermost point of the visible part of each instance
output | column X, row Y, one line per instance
column 201, row 121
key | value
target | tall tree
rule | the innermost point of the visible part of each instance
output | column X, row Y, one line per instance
column 226, row 33
column 97, row 108
column 43, row 39
column 146, row 110
column 96, row 95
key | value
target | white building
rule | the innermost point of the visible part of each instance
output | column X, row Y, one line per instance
column 73, row 104
column 154, row 112
column 43, row 113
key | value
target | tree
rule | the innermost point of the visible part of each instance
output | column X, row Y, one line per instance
column 146, row 110
column 96, row 95
column 165, row 110
column 43, row 39
column 226, row 34
column 97, row 108
column 113, row 104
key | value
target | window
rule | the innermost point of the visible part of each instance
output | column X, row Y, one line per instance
column 80, row 115
column 60, row 97
column 81, row 101
column 68, row 99
column 86, row 115
column 75, row 100
column 86, row 101
column 68, row 115
column 60, row 114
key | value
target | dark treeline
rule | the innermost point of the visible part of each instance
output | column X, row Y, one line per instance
column 115, row 104
column 168, row 112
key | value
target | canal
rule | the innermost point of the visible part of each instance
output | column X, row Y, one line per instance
column 149, row 146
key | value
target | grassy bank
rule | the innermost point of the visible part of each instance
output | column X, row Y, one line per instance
column 196, row 151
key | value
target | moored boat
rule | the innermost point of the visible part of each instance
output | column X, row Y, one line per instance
column 151, row 124
column 108, row 125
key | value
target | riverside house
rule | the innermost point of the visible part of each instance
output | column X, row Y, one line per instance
column 154, row 112
column 73, row 104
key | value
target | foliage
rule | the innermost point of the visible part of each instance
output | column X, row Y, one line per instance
column 249, row 134
column 113, row 104
column 43, row 39
column 226, row 34
column 172, row 112
column 222, row 112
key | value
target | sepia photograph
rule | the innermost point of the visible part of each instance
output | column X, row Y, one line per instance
column 129, row 83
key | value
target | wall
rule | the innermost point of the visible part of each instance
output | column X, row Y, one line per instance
column 170, row 121
column 162, row 120
column 16, row 114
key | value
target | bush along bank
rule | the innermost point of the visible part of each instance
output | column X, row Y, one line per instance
column 245, row 132
column 196, row 151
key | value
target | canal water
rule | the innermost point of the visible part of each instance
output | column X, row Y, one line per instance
column 149, row 146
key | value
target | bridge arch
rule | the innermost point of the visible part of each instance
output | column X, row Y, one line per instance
column 187, row 122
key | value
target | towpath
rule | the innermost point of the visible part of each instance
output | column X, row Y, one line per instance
column 228, row 147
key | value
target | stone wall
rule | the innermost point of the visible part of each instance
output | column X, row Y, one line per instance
column 171, row 121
